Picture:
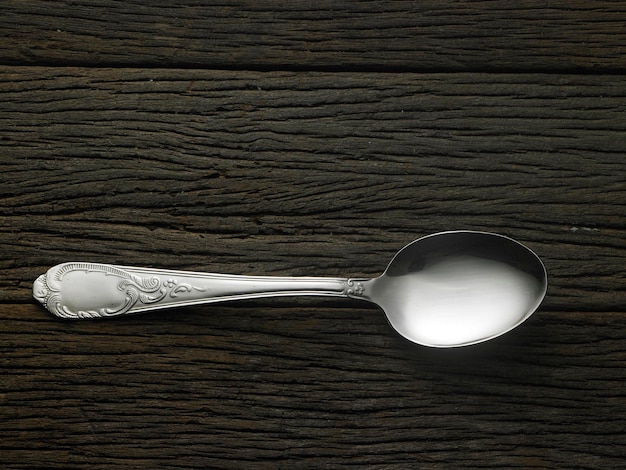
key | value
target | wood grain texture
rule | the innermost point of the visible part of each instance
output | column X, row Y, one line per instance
column 311, row 174
column 432, row 35
column 318, row 174
column 306, row 387
column 139, row 133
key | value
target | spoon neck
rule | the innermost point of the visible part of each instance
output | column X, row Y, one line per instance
column 358, row 288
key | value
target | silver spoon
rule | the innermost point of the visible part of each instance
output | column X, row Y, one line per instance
column 443, row 290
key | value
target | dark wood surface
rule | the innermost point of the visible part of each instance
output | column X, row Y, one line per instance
column 310, row 139
column 433, row 35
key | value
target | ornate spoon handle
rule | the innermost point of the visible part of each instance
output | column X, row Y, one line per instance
column 91, row 290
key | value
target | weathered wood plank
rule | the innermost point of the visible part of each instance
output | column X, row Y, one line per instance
column 284, row 387
column 310, row 173
column 431, row 35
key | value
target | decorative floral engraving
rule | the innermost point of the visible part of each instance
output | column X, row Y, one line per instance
column 175, row 288
column 40, row 290
column 354, row 287
column 135, row 290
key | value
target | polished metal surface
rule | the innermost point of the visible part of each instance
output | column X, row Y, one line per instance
column 460, row 288
column 447, row 289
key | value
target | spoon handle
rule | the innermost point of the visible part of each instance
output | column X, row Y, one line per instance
column 92, row 290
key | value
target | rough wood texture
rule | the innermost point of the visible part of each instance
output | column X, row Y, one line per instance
column 311, row 173
column 265, row 387
column 433, row 35
column 320, row 172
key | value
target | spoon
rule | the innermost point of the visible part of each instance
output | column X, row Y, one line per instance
column 444, row 290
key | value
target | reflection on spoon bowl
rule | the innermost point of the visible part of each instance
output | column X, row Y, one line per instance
column 459, row 288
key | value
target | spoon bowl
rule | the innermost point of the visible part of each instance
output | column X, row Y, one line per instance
column 459, row 288
column 444, row 290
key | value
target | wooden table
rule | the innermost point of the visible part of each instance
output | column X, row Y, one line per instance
column 310, row 138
